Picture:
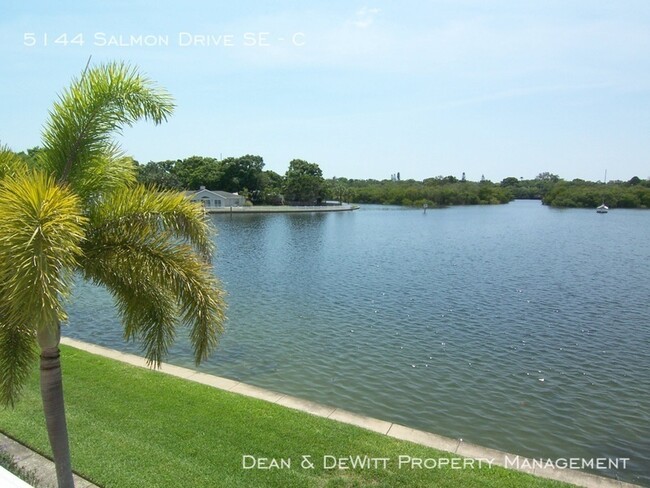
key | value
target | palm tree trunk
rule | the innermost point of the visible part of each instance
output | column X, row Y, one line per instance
column 52, row 396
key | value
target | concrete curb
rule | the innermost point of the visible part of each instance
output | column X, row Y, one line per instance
column 41, row 467
column 454, row 446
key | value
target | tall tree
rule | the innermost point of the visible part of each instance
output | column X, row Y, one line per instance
column 79, row 211
column 303, row 182
column 271, row 188
column 197, row 171
column 242, row 173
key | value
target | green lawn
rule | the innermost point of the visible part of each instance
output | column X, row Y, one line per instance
column 131, row 427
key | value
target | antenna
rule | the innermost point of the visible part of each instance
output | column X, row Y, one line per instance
column 86, row 68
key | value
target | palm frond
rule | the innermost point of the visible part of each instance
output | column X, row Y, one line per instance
column 157, row 283
column 41, row 228
column 144, row 210
column 10, row 162
column 110, row 171
column 18, row 353
column 78, row 135
column 142, row 246
column 148, row 310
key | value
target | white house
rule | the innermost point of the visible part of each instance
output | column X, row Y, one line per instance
column 216, row 199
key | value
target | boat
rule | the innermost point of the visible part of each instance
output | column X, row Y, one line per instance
column 602, row 208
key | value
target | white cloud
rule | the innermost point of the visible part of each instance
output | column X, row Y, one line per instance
column 365, row 17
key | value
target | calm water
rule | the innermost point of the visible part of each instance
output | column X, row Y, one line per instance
column 517, row 327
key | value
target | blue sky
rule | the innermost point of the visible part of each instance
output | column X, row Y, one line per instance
column 364, row 89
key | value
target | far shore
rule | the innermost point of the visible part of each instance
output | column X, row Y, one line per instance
column 282, row 209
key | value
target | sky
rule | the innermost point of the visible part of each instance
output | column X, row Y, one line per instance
column 366, row 89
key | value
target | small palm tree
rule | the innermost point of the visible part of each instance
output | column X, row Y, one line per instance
column 77, row 211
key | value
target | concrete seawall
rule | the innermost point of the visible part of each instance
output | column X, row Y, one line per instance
column 281, row 209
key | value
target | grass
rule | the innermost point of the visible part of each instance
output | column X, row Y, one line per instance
column 132, row 427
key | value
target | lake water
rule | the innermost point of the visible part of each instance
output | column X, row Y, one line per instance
column 517, row 327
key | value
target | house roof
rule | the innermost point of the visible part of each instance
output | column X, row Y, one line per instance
column 204, row 192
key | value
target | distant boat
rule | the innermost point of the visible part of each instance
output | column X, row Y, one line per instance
column 602, row 208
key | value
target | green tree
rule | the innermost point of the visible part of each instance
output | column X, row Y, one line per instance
column 546, row 176
column 242, row 173
column 80, row 212
column 30, row 155
column 450, row 179
column 338, row 189
column 635, row 180
column 159, row 174
column 509, row 181
column 197, row 171
column 304, row 182
column 271, row 188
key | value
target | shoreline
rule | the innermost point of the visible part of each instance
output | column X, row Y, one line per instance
column 281, row 209
column 558, row 470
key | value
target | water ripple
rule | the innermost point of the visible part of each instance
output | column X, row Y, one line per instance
column 517, row 327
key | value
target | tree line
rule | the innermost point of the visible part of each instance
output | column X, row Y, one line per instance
column 433, row 192
column 634, row 193
column 303, row 184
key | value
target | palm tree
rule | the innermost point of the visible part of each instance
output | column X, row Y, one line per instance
column 78, row 212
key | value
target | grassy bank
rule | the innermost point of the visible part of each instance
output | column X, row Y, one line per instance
column 131, row 427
